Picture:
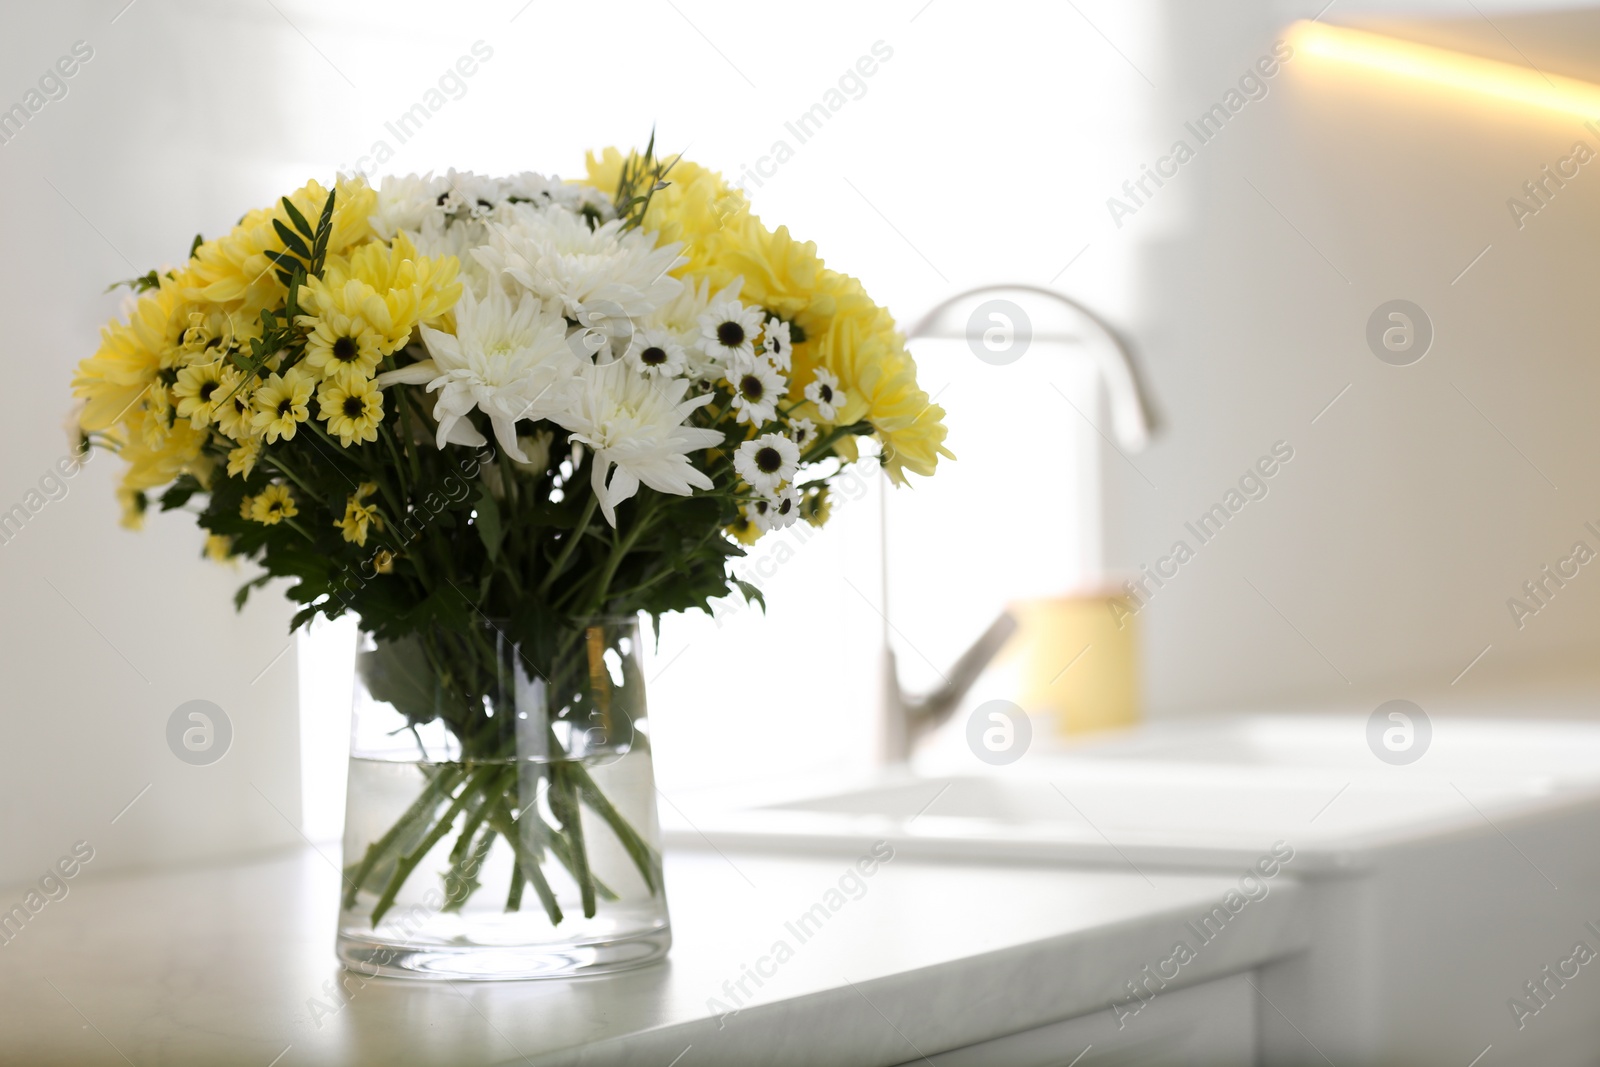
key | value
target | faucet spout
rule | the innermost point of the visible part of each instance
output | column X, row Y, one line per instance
column 1132, row 419
column 909, row 718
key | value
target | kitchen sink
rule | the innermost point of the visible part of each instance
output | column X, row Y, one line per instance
column 1206, row 795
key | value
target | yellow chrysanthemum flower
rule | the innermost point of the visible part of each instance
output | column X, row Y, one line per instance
column 202, row 333
column 197, row 392
column 365, row 306
column 431, row 286
column 219, row 548
column 879, row 380
column 235, row 409
column 155, row 458
column 282, row 403
column 358, row 516
column 352, row 408
column 342, row 344
column 743, row 530
column 242, row 459
column 122, row 371
column 235, row 270
column 816, row 506
column 780, row 274
column 272, row 505
column 156, row 419
column 134, row 505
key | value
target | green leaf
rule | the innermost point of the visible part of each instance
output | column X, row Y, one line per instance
column 319, row 243
column 396, row 672
column 488, row 522
column 298, row 219
column 244, row 590
column 291, row 240
column 179, row 492
column 142, row 283
column 291, row 307
column 752, row 594
column 195, row 246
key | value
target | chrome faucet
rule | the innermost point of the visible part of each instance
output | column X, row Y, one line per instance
column 906, row 719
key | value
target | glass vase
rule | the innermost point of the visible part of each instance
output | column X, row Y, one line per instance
column 501, row 816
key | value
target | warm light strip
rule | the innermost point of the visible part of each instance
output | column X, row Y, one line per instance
column 1455, row 70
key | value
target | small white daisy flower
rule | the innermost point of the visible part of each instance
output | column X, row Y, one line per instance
column 784, row 509
column 803, row 432
column 767, row 462
column 468, row 194
column 824, row 392
column 729, row 330
column 779, row 349
column 656, row 353
column 756, row 392
column 759, row 513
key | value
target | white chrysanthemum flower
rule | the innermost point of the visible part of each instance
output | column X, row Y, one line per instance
column 767, row 462
column 756, row 392
column 779, row 348
column 656, row 352
column 803, row 432
column 506, row 359
column 405, row 203
column 825, row 393
column 637, row 426
column 784, row 509
column 728, row 330
column 582, row 273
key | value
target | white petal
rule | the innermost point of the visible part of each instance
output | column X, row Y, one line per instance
column 505, row 431
column 623, row 485
column 597, row 482
column 444, row 347
column 419, row 373
column 455, row 430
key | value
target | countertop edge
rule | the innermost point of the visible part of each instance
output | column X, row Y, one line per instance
column 921, row 1012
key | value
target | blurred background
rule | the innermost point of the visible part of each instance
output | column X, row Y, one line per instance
column 1378, row 564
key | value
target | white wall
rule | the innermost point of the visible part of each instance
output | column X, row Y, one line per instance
column 106, row 632
column 1421, row 501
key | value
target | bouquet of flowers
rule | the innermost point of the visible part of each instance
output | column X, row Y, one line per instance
column 485, row 414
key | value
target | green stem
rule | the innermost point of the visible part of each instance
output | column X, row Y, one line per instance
column 276, row 460
column 527, row 862
column 564, row 802
column 409, row 861
column 644, row 857
column 572, row 543
column 518, row 880
column 442, row 782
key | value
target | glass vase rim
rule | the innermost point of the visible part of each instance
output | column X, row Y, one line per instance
column 497, row 761
column 579, row 622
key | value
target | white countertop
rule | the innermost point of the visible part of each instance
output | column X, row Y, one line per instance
column 225, row 965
